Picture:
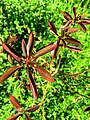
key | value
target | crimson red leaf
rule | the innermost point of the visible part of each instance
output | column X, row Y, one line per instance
column 30, row 44
column 14, row 117
column 82, row 27
column 9, row 72
column 15, row 103
column 27, row 118
column 9, row 50
column 67, row 16
column 72, row 41
column 73, row 48
column 34, row 108
column 87, row 109
column 13, row 39
column 74, row 11
column 45, row 50
column 24, row 48
column 44, row 73
column 32, row 84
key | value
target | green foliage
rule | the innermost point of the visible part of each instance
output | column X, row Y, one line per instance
column 68, row 96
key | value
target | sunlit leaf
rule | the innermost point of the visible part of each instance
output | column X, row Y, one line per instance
column 72, row 41
column 30, row 44
column 54, row 52
column 82, row 27
column 45, row 50
column 82, row 16
column 67, row 16
column 52, row 28
column 67, row 24
column 74, row 48
column 32, row 84
column 86, row 21
column 10, row 59
column 24, row 48
column 9, row 72
column 13, row 39
column 34, row 108
column 44, row 73
column 15, row 102
column 14, row 117
column 72, row 30
column 87, row 109
column 9, row 50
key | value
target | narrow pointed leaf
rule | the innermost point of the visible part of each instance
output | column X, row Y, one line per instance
column 9, row 50
column 87, row 109
column 51, row 25
column 54, row 52
column 52, row 28
column 32, row 84
column 24, row 48
column 13, row 39
column 86, row 21
column 10, row 59
column 30, row 44
column 15, row 102
column 45, row 50
column 9, row 72
column 73, row 48
column 14, row 117
column 34, row 108
column 67, row 16
column 67, row 24
column 63, row 43
column 27, row 118
column 44, row 73
column 72, row 41
column 72, row 30
column 74, row 11
column 82, row 27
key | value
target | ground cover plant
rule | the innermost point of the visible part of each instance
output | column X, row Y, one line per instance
column 38, row 55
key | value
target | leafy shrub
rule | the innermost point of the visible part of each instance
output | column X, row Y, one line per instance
column 68, row 95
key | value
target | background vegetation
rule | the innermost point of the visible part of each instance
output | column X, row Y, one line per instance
column 68, row 96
